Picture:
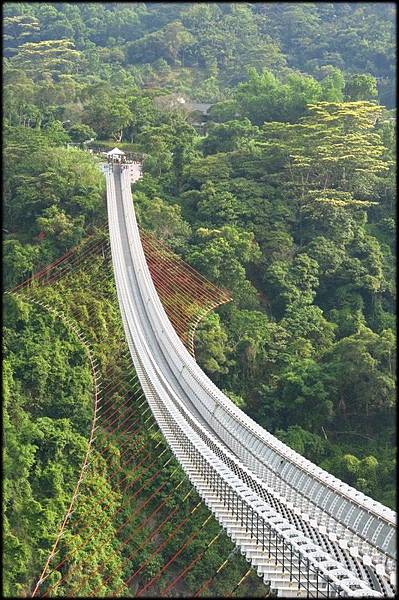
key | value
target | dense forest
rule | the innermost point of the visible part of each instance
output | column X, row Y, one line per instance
column 282, row 190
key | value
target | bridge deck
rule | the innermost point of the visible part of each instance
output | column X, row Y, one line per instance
column 321, row 508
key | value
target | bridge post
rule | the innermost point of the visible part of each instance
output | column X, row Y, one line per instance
column 290, row 562
column 283, row 554
column 270, row 541
column 299, row 572
column 263, row 535
column 206, row 475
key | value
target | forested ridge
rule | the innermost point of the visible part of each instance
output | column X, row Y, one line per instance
column 283, row 193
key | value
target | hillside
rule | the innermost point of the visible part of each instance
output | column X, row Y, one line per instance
column 275, row 178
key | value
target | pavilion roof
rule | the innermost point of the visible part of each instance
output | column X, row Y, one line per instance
column 115, row 151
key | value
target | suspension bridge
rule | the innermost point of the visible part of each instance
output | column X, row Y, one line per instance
column 303, row 532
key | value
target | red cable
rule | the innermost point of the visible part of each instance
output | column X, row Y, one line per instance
column 127, row 441
column 176, row 267
column 78, row 257
column 68, row 270
column 190, row 304
column 103, row 452
column 129, row 410
column 130, row 472
column 178, row 277
column 182, row 323
column 139, row 507
column 149, row 236
column 182, row 280
column 169, row 288
column 185, row 303
column 158, row 575
column 106, row 505
column 128, row 434
column 72, row 254
column 190, row 566
column 194, row 274
column 143, row 523
column 26, row 282
column 120, row 426
column 116, row 390
column 70, row 266
column 102, row 506
column 150, row 242
column 110, row 405
column 96, row 530
column 176, row 529
column 59, row 276
column 186, row 311
column 130, row 518
column 111, row 386
column 183, row 333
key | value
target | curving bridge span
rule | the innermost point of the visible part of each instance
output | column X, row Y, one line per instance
column 305, row 532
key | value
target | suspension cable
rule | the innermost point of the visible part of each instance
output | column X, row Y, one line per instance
column 186, row 543
column 136, row 510
column 95, row 531
column 163, row 544
column 218, row 570
column 241, row 581
column 190, row 565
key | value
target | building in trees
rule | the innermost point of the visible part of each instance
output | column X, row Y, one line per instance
column 116, row 155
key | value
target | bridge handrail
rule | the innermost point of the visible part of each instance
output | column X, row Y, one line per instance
column 356, row 498
column 222, row 480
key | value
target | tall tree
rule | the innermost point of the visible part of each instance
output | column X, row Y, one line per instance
column 48, row 57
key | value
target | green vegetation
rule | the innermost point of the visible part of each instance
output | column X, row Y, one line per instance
column 111, row 532
column 48, row 390
column 284, row 195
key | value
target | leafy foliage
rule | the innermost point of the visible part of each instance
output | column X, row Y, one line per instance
column 47, row 412
column 282, row 190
